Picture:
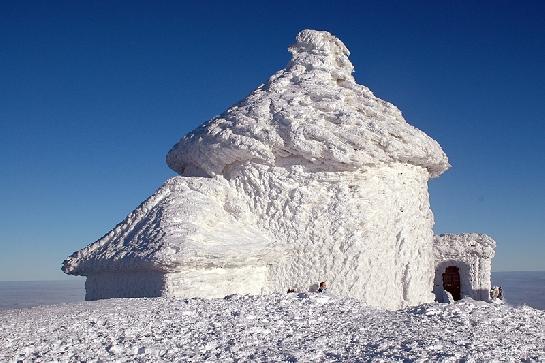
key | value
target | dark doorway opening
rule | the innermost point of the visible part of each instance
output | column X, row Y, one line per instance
column 451, row 281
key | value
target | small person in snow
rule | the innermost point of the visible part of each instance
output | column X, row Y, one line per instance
column 496, row 293
column 493, row 292
column 290, row 290
column 323, row 287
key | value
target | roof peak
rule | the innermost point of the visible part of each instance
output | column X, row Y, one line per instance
column 316, row 49
column 318, row 41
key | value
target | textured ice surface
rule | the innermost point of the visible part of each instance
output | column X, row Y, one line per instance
column 188, row 223
column 312, row 113
column 278, row 328
column 368, row 233
column 464, row 244
column 195, row 227
column 310, row 178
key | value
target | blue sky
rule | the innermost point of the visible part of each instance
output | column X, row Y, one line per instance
column 94, row 93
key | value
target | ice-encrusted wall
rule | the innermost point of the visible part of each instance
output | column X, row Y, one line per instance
column 106, row 285
column 366, row 232
column 472, row 253
column 218, row 281
column 267, row 229
column 309, row 178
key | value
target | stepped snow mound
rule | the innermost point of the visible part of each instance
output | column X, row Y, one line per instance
column 187, row 223
column 310, row 178
column 311, row 113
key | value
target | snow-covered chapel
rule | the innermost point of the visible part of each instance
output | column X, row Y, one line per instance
column 310, row 178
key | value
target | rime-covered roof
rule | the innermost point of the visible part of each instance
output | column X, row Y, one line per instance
column 311, row 113
column 454, row 245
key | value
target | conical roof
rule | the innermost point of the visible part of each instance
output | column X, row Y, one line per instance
column 311, row 113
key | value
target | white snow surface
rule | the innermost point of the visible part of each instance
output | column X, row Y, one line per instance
column 312, row 113
column 279, row 327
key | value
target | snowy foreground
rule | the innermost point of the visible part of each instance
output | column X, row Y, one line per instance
column 291, row 328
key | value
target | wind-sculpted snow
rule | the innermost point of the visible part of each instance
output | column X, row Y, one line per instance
column 312, row 113
column 188, row 223
column 368, row 233
column 306, row 328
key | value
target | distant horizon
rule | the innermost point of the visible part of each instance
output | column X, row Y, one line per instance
column 74, row 277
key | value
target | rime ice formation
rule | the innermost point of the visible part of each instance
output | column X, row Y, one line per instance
column 309, row 178
column 472, row 254
column 311, row 114
column 188, row 225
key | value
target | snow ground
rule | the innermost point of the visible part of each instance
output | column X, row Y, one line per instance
column 292, row 327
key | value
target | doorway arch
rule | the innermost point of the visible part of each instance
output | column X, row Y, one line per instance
column 451, row 281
